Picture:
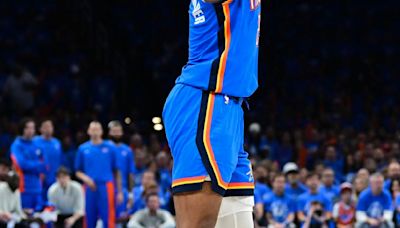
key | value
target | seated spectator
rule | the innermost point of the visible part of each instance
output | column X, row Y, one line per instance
column 374, row 208
column 68, row 198
column 344, row 211
column 10, row 204
column 150, row 188
column 280, row 208
column 360, row 184
column 335, row 162
column 163, row 161
column 261, row 190
column 316, row 216
column 313, row 204
column 293, row 186
column 394, row 188
column 393, row 172
column 328, row 187
column 152, row 215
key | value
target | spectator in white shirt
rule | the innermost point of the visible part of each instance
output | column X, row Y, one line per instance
column 152, row 215
column 68, row 198
column 11, row 213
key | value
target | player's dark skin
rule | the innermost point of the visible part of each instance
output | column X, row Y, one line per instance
column 197, row 209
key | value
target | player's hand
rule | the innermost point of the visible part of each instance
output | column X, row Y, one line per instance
column 374, row 222
column 129, row 205
column 90, row 183
column 69, row 222
column 120, row 198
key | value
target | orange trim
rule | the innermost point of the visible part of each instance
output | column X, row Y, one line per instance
column 111, row 204
column 188, row 180
column 20, row 174
column 207, row 141
column 224, row 56
column 241, row 186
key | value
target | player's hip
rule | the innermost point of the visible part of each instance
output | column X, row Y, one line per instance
column 188, row 110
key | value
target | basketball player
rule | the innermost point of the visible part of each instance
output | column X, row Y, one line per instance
column 203, row 116
column 96, row 166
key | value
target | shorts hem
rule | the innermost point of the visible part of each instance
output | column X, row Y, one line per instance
column 239, row 192
column 187, row 188
column 197, row 187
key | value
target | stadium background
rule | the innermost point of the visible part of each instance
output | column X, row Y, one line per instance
column 328, row 75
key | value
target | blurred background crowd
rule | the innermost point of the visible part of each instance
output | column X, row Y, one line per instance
column 328, row 94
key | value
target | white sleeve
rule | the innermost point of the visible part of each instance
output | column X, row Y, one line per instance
column 335, row 211
column 79, row 207
column 388, row 215
column 361, row 216
column 169, row 220
column 134, row 221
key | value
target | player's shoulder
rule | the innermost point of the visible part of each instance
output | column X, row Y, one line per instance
column 55, row 140
column 126, row 147
column 37, row 138
column 17, row 141
column 85, row 145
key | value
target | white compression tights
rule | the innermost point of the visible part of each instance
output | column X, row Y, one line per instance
column 242, row 219
column 236, row 212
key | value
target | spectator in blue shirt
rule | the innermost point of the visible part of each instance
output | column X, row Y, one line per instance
column 293, row 187
column 314, row 202
column 125, row 161
column 328, row 187
column 393, row 172
column 280, row 208
column 335, row 162
column 28, row 162
column 374, row 208
column 52, row 154
column 261, row 190
column 163, row 161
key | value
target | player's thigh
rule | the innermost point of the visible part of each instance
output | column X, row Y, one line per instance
column 197, row 209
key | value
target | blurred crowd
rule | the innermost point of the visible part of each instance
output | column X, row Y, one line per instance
column 303, row 178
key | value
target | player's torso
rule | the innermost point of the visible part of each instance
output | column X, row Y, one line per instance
column 98, row 161
column 51, row 150
column 123, row 159
column 223, row 47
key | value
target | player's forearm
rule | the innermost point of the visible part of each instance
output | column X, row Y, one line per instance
column 290, row 218
column 76, row 216
column 131, row 182
column 301, row 216
column 118, row 179
column 83, row 177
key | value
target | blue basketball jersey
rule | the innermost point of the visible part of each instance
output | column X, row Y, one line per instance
column 223, row 47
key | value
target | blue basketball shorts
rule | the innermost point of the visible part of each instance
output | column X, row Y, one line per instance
column 205, row 133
